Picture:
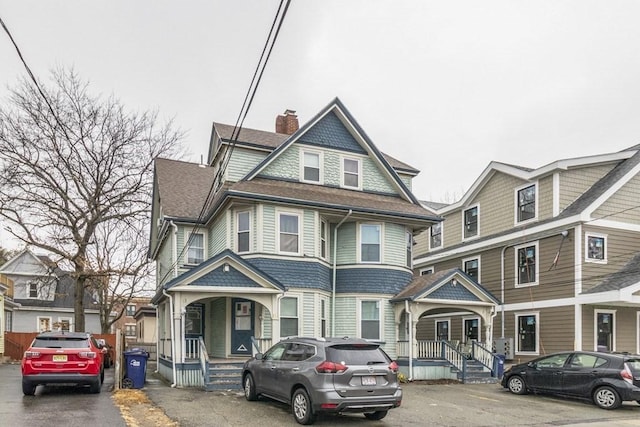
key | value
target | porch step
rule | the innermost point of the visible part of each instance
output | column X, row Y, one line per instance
column 477, row 373
column 224, row 376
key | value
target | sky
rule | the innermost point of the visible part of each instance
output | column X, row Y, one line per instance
column 445, row 86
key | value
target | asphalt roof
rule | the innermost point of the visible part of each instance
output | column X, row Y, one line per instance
column 627, row 276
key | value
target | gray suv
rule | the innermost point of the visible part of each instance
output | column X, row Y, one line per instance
column 329, row 375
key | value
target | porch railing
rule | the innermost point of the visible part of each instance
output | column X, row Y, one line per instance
column 192, row 348
column 484, row 356
column 453, row 356
column 260, row 345
column 204, row 360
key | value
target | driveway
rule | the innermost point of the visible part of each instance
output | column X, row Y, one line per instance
column 423, row 405
column 53, row 406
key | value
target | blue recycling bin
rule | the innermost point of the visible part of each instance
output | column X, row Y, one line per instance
column 498, row 364
column 135, row 368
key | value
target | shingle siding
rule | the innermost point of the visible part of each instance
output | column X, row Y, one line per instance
column 331, row 133
column 373, row 178
column 371, row 280
column 286, row 165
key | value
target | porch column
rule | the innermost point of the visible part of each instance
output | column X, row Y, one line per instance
column 178, row 322
column 275, row 319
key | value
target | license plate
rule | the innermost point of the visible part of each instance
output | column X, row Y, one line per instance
column 369, row 381
column 59, row 357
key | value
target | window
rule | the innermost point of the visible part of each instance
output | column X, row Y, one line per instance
column 471, row 329
column 471, row 266
column 442, row 330
column 526, row 203
column 527, row 333
column 370, row 243
column 323, row 318
column 63, row 324
column 370, row 320
column 351, row 173
column 324, row 247
column 435, row 237
column 131, row 310
column 289, row 234
column 195, row 252
column 244, row 231
column 44, row 324
column 409, row 242
column 130, row 329
column 527, row 267
column 289, row 317
column 33, row 290
column 311, row 166
column 596, row 248
column 425, row 271
column 471, row 222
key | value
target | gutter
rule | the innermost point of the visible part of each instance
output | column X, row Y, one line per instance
column 333, row 292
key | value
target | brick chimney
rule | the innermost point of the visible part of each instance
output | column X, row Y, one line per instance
column 287, row 123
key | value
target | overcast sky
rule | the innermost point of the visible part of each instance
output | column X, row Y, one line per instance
column 446, row 86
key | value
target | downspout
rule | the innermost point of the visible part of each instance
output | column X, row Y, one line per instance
column 504, row 249
column 173, row 337
column 335, row 254
column 175, row 248
column 410, row 328
column 157, row 339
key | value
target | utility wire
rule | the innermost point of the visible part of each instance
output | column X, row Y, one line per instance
column 246, row 105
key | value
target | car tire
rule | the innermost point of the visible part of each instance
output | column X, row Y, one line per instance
column 301, row 407
column 607, row 398
column 28, row 389
column 517, row 385
column 250, row 388
column 102, row 376
column 375, row 416
column 96, row 387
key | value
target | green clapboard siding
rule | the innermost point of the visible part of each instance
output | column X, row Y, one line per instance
column 310, row 233
column 308, row 314
column 242, row 162
column 269, row 229
column 217, row 236
column 346, row 308
column 395, row 250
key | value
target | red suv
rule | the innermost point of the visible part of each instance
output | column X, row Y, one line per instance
column 63, row 358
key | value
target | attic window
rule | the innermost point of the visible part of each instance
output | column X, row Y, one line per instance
column 33, row 290
column 526, row 203
column 351, row 172
column 471, row 222
column 311, row 171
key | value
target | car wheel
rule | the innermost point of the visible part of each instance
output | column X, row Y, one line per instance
column 96, row 387
column 250, row 388
column 607, row 398
column 28, row 389
column 517, row 385
column 301, row 407
column 378, row 415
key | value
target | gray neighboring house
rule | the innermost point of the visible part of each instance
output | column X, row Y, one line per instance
column 43, row 296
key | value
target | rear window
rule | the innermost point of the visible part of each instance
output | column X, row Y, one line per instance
column 357, row 354
column 60, row 342
column 634, row 365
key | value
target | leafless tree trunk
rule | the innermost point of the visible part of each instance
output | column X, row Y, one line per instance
column 77, row 175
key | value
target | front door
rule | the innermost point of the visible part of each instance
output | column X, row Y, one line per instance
column 242, row 326
column 605, row 331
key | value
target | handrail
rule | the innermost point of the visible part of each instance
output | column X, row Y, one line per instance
column 484, row 356
column 204, row 360
column 255, row 344
column 453, row 356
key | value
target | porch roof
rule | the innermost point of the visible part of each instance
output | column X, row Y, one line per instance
column 451, row 285
column 627, row 276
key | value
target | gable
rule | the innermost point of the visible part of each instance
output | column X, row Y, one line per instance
column 329, row 132
column 25, row 263
column 453, row 291
column 622, row 205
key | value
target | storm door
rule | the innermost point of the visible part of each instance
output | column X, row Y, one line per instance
column 242, row 325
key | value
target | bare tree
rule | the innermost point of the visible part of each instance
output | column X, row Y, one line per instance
column 72, row 165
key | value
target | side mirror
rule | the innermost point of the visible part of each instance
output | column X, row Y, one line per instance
column 101, row 343
column 532, row 365
column 258, row 356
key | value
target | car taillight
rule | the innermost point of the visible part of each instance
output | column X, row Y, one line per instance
column 394, row 367
column 626, row 374
column 87, row 354
column 327, row 367
column 31, row 354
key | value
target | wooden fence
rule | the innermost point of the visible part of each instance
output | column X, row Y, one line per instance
column 15, row 343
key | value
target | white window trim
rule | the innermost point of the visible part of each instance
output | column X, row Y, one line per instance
column 327, row 233
column 300, row 216
column 68, row 319
column 134, row 327
column 44, row 317
column 299, row 307
column 237, row 241
column 423, row 270
column 464, row 260
column 359, row 242
column 435, row 328
column 187, row 236
column 516, row 206
column 408, row 236
column 29, row 290
column 517, row 333
column 464, row 333
column 441, row 237
column 516, row 266
column 586, row 247
column 464, row 238
column 327, row 331
column 320, row 155
column 342, row 172
column 380, row 318
column 595, row 327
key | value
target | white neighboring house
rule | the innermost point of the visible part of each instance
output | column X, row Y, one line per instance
column 43, row 296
